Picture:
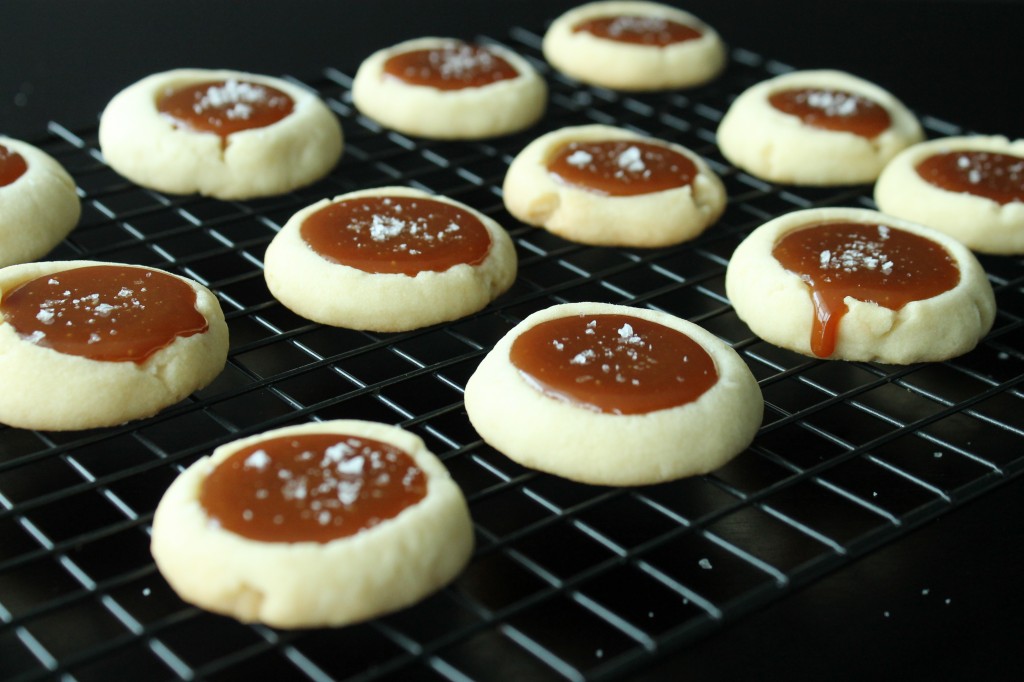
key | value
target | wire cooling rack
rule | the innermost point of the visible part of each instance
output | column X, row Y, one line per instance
column 568, row 581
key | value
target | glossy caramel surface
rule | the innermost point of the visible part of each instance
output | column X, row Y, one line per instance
column 615, row 364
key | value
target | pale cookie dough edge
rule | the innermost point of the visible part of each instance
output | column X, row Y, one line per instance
column 308, row 584
column 630, row 67
column 38, row 209
column 137, row 142
column 771, row 145
column 470, row 113
column 980, row 223
column 776, row 304
column 347, row 297
column 48, row 390
column 546, row 434
column 654, row 219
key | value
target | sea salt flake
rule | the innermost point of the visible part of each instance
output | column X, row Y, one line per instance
column 348, row 491
column 705, row 564
column 579, row 158
column 240, row 111
column 631, row 160
column 45, row 315
column 230, row 93
column 337, row 452
column 353, row 465
column 583, row 357
column 383, row 228
column 257, row 460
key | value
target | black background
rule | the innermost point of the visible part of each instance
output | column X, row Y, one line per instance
column 944, row 602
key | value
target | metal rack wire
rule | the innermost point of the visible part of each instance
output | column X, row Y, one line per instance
column 568, row 581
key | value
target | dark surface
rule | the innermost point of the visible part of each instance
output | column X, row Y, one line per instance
column 943, row 602
column 63, row 59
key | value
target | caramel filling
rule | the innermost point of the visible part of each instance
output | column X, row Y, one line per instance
column 999, row 177
column 833, row 110
column 311, row 487
column 873, row 263
column 638, row 30
column 621, row 167
column 615, row 364
column 104, row 312
column 453, row 66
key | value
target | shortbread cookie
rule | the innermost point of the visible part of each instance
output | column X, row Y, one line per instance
column 447, row 89
column 607, row 186
column 816, row 128
column 634, row 46
column 220, row 133
column 322, row 524
column 85, row 344
column 855, row 284
column 614, row 395
column 971, row 188
column 389, row 259
column 38, row 203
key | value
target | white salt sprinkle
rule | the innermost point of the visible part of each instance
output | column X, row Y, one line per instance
column 631, row 160
column 257, row 460
column 579, row 158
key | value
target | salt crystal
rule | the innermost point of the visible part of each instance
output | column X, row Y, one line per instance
column 348, row 491
column 705, row 564
column 385, row 227
column 583, row 357
column 579, row 158
column 257, row 460
column 239, row 111
column 631, row 160
column 337, row 452
column 353, row 465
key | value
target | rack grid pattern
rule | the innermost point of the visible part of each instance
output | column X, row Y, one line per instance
column 568, row 581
